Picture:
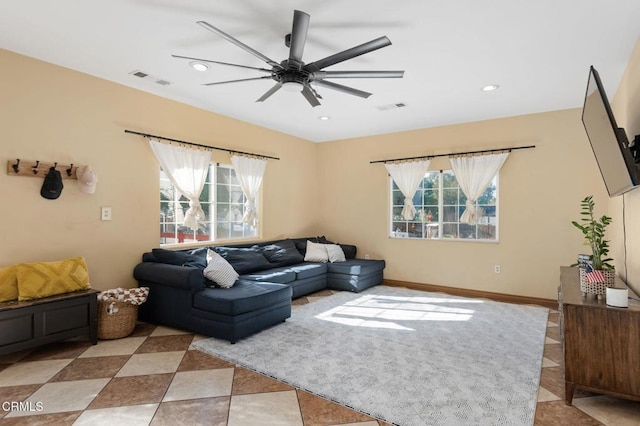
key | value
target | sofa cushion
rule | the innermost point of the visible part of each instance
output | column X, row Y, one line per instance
column 307, row 270
column 348, row 250
column 172, row 257
column 196, row 257
column 244, row 260
column 282, row 275
column 356, row 267
column 282, row 253
column 244, row 296
column 220, row 271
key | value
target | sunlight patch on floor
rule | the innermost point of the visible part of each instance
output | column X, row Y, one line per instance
column 374, row 311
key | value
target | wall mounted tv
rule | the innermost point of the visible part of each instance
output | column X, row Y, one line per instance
column 616, row 159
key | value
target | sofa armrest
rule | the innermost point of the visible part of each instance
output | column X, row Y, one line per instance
column 182, row 277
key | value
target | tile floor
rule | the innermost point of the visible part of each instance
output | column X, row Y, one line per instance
column 152, row 377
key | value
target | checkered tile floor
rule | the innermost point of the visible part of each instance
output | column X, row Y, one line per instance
column 152, row 377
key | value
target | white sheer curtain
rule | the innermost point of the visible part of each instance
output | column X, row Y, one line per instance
column 408, row 177
column 474, row 174
column 187, row 170
column 250, row 172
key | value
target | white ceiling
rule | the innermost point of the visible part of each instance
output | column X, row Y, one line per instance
column 538, row 51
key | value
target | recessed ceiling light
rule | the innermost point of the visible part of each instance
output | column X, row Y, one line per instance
column 324, row 118
column 199, row 66
column 490, row 88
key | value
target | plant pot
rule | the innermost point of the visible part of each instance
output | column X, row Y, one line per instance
column 598, row 287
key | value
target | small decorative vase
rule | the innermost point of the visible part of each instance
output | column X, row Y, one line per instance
column 597, row 281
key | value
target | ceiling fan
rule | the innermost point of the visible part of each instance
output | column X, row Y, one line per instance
column 294, row 75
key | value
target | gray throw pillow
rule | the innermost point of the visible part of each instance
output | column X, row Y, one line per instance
column 316, row 253
column 335, row 253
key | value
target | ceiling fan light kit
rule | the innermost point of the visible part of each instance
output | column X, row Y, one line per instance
column 292, row 74
column 293, row 86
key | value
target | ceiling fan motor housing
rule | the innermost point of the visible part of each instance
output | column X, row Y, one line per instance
column 291, row 72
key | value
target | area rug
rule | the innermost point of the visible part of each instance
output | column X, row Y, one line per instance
column 406, row 357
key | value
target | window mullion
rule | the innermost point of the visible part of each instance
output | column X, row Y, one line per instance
column 440, row 206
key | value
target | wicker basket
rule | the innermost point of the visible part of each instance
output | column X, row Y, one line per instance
column 116, row 319
column 598, row 288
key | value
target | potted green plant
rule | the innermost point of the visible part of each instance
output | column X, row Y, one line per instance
column 600, row 274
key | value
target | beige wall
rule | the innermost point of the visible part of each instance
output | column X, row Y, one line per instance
column 53, row 114
column 625, row 210
column 540, row 193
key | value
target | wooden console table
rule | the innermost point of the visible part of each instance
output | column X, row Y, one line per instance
column 25, row 325
column 601, row 343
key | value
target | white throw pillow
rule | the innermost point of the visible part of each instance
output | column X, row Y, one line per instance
column 316, row 253
column 335, row 253
column 220, row 271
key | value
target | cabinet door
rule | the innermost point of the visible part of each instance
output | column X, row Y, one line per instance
column 602, row 349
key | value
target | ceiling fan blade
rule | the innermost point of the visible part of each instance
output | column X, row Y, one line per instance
column 221, row 63
column 320, row 75
column 348, row 54
column 309, row 96
column 270, row 92
column 238, row 43
column 298, row 35
column 236, row 81
column 341, row 88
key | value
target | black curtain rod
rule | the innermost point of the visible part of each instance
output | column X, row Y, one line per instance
column 454, row 154
column 232, row 151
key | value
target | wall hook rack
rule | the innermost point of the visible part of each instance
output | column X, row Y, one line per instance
column 40, row 169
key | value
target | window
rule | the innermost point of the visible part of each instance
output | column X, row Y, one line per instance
column 439, row 202
column 222, row 201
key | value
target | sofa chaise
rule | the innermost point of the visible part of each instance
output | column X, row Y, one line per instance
column 271, row 274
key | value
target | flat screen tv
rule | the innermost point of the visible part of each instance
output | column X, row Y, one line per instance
column 609, row 142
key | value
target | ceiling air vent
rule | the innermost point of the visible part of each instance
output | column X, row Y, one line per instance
column 392, row 106
column 158, row 80
column 139, row 74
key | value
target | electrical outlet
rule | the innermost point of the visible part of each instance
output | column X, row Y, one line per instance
column 106, row 213
column 366, row 256
column 496, row 269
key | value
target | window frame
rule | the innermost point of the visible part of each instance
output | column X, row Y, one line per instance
column 440, row 214
column 181, row 238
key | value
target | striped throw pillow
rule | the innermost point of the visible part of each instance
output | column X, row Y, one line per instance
column 220, row 271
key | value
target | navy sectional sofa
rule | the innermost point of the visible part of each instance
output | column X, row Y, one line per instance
column 271, row 274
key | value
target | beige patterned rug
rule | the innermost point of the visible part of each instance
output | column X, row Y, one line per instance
column 406, row 357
